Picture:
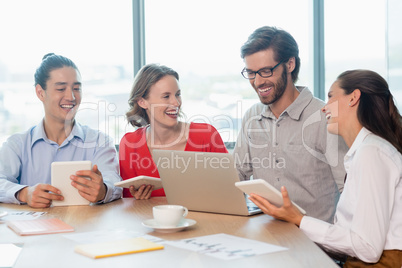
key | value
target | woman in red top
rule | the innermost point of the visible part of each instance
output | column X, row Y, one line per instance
column 155, row 103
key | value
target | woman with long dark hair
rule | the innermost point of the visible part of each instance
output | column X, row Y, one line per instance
column 368, row 220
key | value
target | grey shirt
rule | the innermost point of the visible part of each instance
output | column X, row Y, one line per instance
column 296, row 151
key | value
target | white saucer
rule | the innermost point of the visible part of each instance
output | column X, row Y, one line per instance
column 3, row 213
column 151, row 223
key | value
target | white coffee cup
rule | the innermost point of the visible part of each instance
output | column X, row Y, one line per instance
column 169, row 215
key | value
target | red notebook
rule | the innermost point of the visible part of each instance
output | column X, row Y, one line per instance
column 39, row 226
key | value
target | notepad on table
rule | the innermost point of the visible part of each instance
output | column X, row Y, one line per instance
column 39, row 226
column 115, row 248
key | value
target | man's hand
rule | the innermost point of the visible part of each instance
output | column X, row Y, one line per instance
column 89, row 184
column 39, row 196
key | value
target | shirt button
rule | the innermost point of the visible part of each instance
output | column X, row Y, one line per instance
column 276, row 144
column 277, row 179
column 277, row 125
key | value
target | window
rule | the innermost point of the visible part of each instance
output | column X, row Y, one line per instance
column 201, row 40
column 95, row 34
column 394, row 50
column 364, row 40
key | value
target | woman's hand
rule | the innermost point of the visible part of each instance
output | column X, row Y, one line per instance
column 143, row 192
column 288, row 212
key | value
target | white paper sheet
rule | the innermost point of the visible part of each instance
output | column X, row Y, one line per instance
column 226, row 247
column 109, row 235
column 222, row 246
column 22, row 215
column 9, row 254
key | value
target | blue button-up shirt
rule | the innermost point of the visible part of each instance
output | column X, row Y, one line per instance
column 25, row 159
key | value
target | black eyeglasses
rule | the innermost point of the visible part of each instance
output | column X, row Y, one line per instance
column 264, row 72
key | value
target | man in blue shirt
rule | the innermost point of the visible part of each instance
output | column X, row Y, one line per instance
column 25, row 158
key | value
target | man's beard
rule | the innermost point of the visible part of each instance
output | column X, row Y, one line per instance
column 279, row 89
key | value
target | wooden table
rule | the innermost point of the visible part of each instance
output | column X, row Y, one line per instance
column 55, row 250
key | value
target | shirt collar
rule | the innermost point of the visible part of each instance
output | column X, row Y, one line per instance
column 295, row 109
column 38, row 133
column 363, row 133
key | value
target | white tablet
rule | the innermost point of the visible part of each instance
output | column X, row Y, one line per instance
column 264, row 189
column 60, row 176
column 140, row 180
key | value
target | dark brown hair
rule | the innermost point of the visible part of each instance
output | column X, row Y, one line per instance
column 377, row 111
column 281, row 42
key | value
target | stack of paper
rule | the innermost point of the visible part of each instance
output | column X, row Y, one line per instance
column 39, row 226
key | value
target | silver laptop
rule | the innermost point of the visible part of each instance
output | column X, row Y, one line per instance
column 202, row 182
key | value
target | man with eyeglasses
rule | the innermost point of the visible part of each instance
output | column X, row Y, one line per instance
column 284, row 139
